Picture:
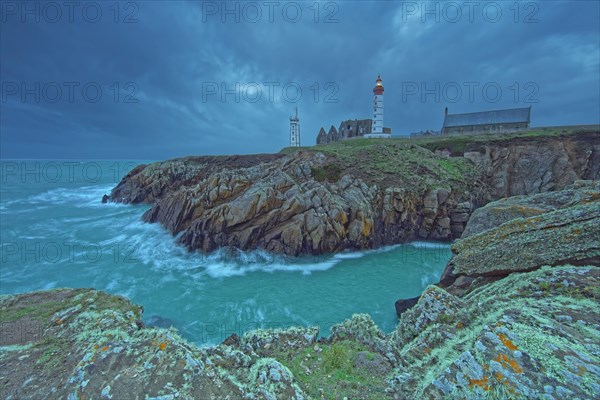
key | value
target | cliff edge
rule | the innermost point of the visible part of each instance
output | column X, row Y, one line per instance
column 355, row 194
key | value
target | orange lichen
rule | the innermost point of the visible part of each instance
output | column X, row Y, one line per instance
column 162, row 346
column 502, row 359
column 499, row 376
column 517, row 369
column 105, row 348
column 505, row 341
column 459, row 325
column 508, row 362
column 366, row 227
column 482, row 383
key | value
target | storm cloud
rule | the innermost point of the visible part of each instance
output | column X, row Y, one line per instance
column 155, row 80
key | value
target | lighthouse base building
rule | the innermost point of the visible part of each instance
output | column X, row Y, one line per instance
column 367, row 128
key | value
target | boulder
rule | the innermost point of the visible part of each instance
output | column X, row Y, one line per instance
column 405, row 304
column 567, row 233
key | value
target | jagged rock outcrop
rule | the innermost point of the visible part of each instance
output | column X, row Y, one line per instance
column 498, row 212
column 529, row 335
column 81, row 343
column 351, row 197
column 279, row 206
column 513, row 318
column 405, row 304
column 567, row 235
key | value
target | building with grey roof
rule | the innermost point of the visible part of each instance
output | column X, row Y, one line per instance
column 495, row 121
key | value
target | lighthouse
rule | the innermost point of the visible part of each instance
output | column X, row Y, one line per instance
column 377, row 130
column 295, row 130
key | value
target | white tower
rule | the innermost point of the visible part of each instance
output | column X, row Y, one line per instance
column 377, row 127
column 295, row 130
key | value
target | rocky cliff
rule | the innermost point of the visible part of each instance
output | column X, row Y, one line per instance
column 530, row 332
column 525, row 233
column 354, row 194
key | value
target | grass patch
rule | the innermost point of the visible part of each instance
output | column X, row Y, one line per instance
column 331, row 373
column 328, row 172
column 54, row 351
column 42, row 311
column 337, row 358
column 389, row 164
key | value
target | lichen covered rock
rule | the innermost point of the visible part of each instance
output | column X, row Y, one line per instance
column 498, row 212
column 566, row 235
column 81, row 343
column 530, row 335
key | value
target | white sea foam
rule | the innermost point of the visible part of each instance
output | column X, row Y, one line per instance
column 429, row 245
column 227, row 268
column 349, row 256
column 154, row 246
column 112, row 285
column 49, row 285
column 84, row 196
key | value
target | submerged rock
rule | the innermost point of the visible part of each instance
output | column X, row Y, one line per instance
column 160, row 322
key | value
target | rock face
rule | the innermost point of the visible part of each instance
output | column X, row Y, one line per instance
column 530, row 335
column 498, row 212
column 279, row 206
column 537, row 164
column 348, row 196
column 567, row 235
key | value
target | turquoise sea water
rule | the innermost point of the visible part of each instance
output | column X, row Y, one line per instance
column 55, row 232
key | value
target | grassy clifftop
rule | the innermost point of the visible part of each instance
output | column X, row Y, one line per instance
column 414, row 161
column 453, row 143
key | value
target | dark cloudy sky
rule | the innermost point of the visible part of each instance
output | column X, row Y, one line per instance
column 154, row 80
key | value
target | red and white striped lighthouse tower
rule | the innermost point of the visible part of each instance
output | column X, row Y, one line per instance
column 377, row 127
